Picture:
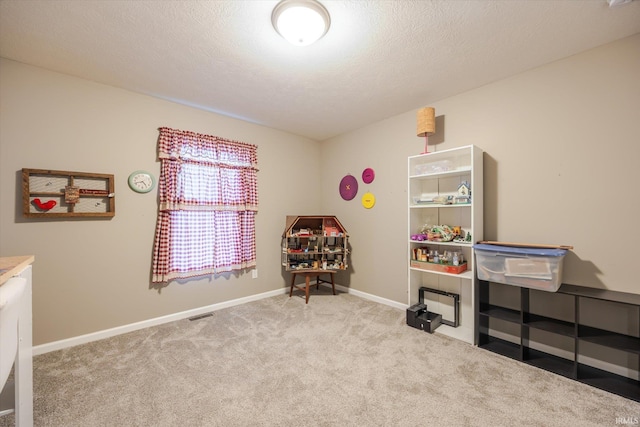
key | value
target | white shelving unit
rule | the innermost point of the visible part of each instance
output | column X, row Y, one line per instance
column 439, row 174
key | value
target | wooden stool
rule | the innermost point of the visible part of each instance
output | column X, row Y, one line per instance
column 308, row 274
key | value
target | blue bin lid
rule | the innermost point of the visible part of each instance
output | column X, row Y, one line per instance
column 520, row 251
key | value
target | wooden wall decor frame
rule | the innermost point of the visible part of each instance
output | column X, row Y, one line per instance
column 60, row 194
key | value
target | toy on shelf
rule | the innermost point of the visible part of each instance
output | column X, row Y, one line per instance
column 438, row 233
column 464, row 193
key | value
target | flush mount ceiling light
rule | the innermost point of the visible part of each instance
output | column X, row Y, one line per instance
column 300, row 22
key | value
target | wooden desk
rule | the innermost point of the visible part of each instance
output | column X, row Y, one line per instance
column 308, row 274
column 23, row 369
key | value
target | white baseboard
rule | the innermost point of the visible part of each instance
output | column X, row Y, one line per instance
column 370, row 297
column 108, row 333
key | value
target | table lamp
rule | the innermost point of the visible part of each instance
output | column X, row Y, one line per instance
column 426, row 118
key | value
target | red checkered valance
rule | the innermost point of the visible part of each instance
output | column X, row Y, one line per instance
column 205, row 172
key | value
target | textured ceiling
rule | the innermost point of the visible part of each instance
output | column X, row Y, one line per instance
column 379, row 58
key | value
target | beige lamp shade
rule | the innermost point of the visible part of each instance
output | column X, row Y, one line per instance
column 426, row 121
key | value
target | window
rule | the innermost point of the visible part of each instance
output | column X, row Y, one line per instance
column 208, row 200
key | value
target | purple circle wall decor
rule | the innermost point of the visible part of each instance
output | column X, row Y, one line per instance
column 348, row 187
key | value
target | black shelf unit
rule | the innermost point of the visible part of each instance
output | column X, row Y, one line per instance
column 526, row 320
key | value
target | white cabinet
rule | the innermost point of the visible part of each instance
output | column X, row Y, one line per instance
column 436, row 197
column 18, row 396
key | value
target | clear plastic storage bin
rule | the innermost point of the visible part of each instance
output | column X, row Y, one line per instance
column 526, row 267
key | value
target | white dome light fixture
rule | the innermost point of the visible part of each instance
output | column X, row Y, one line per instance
column 300, row 22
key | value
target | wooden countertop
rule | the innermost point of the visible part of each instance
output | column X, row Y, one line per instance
column 12, row 265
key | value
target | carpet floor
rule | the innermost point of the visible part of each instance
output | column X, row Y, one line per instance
column 338, row 361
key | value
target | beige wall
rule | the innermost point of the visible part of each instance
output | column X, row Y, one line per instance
column 562, row 153
column 92, row 275
column 561, row 158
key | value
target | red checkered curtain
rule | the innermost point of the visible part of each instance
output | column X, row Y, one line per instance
column 208, row 199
